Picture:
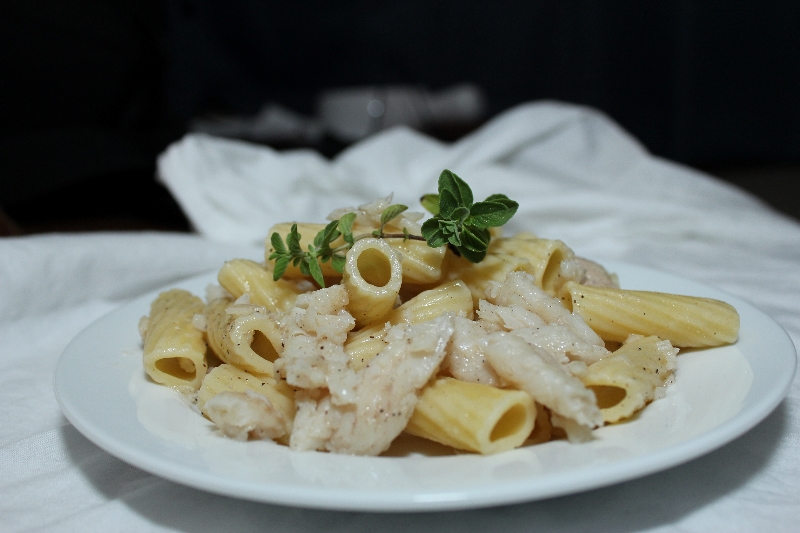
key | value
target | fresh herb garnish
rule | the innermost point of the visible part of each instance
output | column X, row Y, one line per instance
column 458, row 222
column 321, row 250
column 461, row 223
column 389, row 214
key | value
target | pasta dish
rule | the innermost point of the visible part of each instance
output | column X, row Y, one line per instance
column 475, row 340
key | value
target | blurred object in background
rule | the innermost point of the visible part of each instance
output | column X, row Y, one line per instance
column 351, row 114
column 347, row 115
column 273, row 125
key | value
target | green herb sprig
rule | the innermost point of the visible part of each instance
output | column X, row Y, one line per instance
column 321, row 251
column 458, row 222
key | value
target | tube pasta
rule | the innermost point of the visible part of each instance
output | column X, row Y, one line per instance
column 524, row 369
column 174, row 350
column 421, row 263
column 245, row 336
column 628, row 379
column 228, row 378
column 686, row 321
column 364, row 344
column 451, row 297
column 242, row 276
column 473, row 417
column 549, row 259
column 372, row 276
column 494, row 267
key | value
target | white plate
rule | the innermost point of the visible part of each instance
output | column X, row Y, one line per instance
column 719, row 394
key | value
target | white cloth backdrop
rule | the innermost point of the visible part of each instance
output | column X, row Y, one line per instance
column 580, row 178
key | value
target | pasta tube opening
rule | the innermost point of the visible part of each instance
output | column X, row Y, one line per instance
column 473, row 417
column 551, row 261
column 245, row 336
column 608, row 395
column 262, row 347
column 375, row 267
column 511, row 423
column 629, row 378
column 373, row 275
column 552, row 270
column 177, row 367
column 174, row 351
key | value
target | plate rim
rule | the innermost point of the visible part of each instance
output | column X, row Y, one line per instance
column 529, row 489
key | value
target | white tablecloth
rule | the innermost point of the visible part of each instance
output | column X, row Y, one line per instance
column 578, row 177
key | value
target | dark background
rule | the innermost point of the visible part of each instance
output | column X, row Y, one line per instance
column 92, row 91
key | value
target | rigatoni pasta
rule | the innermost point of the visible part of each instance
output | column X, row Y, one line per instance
column 243, row 276
column 630, row 377
column 550, row 260
column 372, row 276
column 450, row 297
column 229, row 378
column 243, row 335
column 495, row 267
column 174, row 351
column 421, row 263
column 483, row 357
column 686, row 321
column 473, row 417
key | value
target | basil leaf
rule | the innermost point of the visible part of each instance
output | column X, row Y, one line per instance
column 326, row 236
column 497, row 198
column 346, row 227
column 459, row 215
column 449, row 227
column 302, row 264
